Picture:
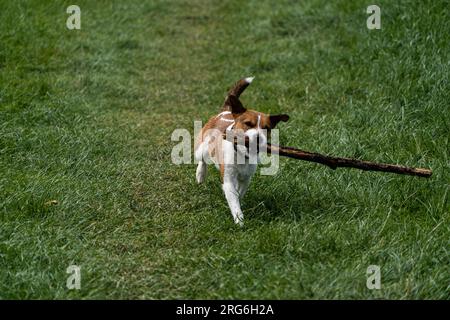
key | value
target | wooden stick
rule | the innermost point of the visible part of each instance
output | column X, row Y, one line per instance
column 335, row 162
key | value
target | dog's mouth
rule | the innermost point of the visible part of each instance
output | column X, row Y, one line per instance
column 252, row 146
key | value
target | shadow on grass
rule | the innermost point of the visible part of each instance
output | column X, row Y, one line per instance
column 268, row 206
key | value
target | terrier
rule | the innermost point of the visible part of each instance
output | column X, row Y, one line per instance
column 211, row 147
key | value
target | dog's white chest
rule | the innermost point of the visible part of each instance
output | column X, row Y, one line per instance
column 245, row 171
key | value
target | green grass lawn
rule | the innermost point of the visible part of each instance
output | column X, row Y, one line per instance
column 86, row 118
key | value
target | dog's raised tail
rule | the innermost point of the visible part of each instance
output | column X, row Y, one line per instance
column 238, row 88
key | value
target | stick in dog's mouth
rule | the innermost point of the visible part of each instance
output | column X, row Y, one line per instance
column 335, row 162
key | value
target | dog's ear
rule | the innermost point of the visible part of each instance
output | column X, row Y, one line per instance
column 234, row 105
column 274, row 119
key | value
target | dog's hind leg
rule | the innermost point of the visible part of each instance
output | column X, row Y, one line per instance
column 202, row 170
column 201, row 155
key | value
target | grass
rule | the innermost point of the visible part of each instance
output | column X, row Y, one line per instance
column 86, row 118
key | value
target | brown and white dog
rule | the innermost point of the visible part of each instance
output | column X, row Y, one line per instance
column 210, row 146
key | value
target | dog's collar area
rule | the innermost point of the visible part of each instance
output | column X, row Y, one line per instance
column 220, row 115
column 230, row 127
column 223, row 113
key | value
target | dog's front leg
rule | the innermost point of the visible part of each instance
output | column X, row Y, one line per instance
column 230, row 188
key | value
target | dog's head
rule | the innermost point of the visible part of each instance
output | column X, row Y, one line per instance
column 255, row 125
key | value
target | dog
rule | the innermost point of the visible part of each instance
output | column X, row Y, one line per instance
column 211, row 147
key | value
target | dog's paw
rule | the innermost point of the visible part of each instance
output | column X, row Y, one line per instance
column 239, row 221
